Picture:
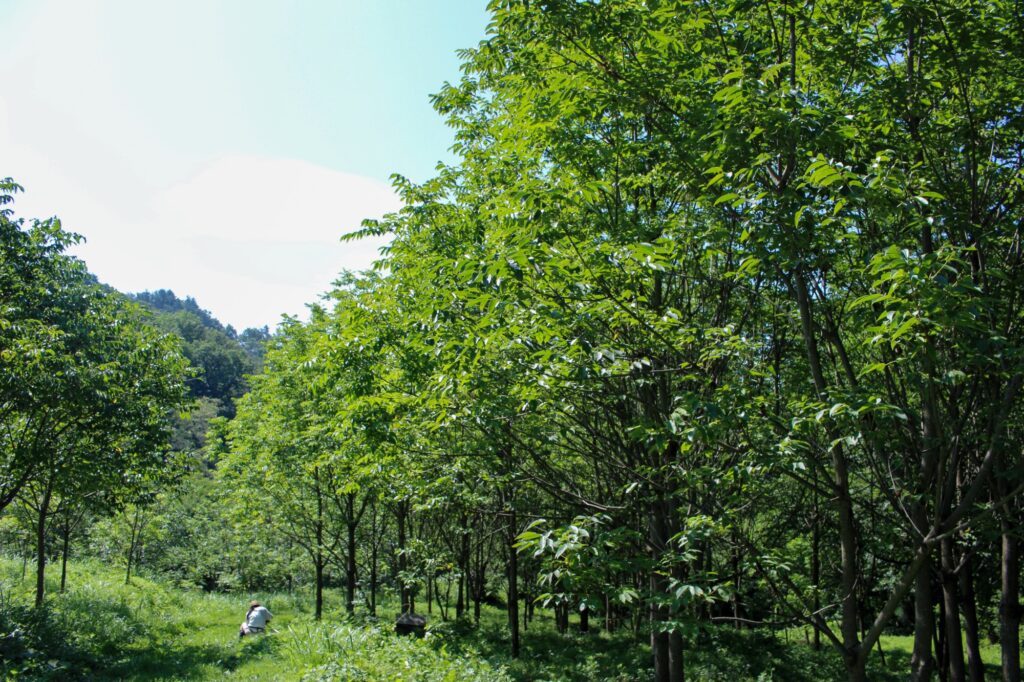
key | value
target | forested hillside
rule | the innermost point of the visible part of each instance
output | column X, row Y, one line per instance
column 222, row 357
column 710, row 338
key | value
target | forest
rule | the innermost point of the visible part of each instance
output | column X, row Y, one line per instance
column 709, row 343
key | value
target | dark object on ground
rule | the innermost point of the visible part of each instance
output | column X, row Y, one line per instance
column 410, row 624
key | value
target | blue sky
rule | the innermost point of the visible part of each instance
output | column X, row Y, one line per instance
column 219, row 147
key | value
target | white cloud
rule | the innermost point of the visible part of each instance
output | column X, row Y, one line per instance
column 175, row 201
column 250, row 238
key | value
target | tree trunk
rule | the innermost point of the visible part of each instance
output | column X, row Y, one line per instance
column 513, row 582
column 319, row 550
column 373, row 561
column 138, row 522
column 676, row 658
column 1009, row 604
column 658, row 538
column 44, row 507
column 430, row 592
column 968, row 603
column 319, row 608
column 460, row 599
column 66, row 540
column 850, row 608
column 401, row 513
column 922, row 663
column 373, row 579
column 478, row 582
column 676, row 654
column 350, row 560
column 460, row 596
column 815, row 565
column 528, row 603
column 951, row 606
column 941, row 650
column 442, row 606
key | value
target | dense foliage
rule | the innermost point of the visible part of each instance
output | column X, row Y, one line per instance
column 87, row 388
column 716, row 319
column 222, row 357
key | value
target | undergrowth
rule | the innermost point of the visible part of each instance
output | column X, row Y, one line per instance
column 104, row 630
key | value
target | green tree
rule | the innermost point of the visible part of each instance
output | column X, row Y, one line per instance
column 90, row 386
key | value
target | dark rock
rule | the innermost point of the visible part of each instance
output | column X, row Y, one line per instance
column 410, row 624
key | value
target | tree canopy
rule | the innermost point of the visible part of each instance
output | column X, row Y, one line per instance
column 88, row 386
column 733, row 286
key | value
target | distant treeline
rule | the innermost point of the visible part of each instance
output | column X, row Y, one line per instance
column 221, row 356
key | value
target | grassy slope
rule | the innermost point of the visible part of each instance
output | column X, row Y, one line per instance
column 144, row 631
column 105, row 630
column 102, row 629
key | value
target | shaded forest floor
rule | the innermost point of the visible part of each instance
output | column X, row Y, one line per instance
column 102, row 629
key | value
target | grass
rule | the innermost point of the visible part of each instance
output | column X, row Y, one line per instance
column 104, row 630
column 897, row 650
column 902, row 646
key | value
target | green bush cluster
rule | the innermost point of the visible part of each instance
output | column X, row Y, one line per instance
column 346, row 652
column 66, row 639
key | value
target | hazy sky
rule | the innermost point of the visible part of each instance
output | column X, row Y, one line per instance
column 219, row 147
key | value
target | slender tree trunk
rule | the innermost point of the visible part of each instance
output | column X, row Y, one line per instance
column 319, row 608
column 44, row 507
column 430, row 593
column 524, row 599
column 659, row 639
column 941, row 646
column 406, row 593
column 437, row 597
column 135, row 540
column 66, row 541
column 658, row 537
column 922, row 663
column 319, row 551
column 968, row 604
column 513, row 581
column 1009, row 604
column 951, row 607
column 676, row 652
column 350, row 559
column 850, row 608
column 373, row 561
column 373, row 580
column 478, row 581
column 816, row 563
column 460, row 598
column 676, row 657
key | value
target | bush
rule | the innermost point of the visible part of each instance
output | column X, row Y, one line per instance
column 346, row 652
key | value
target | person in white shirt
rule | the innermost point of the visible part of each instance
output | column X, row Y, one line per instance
column 256, row 619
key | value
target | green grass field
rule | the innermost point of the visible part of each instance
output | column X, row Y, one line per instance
column 104, row 630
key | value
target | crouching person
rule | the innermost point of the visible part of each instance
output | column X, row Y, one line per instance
column 256, row 619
